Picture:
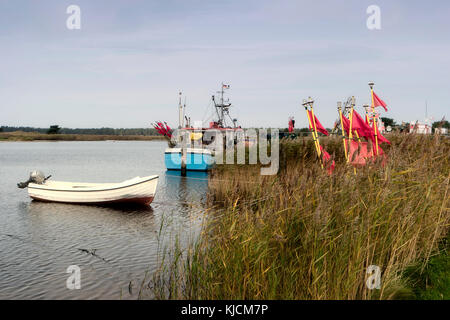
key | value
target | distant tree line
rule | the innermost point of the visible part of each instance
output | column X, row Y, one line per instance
column 94, row 131
column 441, row 124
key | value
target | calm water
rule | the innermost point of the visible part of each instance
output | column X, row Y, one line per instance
column 38, row 241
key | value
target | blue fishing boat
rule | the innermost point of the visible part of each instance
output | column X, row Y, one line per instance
column 197, row 159
column 200, row 157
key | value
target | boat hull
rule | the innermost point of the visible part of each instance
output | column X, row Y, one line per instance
column 138, row 191
column 139, row 201
column 196, row 159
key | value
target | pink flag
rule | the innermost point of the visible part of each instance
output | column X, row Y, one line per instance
column 345, row 123
column 358, row 153
column 319, row 126
column 326, row 160
column 378, row 102
column 360, row 126
column 380, row 137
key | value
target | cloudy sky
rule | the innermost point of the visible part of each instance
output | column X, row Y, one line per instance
column 129, row 60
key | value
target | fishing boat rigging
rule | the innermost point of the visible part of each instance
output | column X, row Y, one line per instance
column 200, row 157
column 223, row 110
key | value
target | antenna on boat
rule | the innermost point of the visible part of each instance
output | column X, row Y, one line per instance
column 180, row 112
column 184, row 108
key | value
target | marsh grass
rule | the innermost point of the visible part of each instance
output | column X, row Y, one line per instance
column 303, row 234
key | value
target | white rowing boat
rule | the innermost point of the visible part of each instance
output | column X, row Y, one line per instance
column 137, row 190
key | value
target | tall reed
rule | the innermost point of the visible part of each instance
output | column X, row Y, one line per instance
column 303, row 234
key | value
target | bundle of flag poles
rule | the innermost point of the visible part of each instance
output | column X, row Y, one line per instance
column 163, row 128
column 357, row 133
column 355, row 127
column 315, row 126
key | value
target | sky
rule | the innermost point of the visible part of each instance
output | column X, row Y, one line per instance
column 129, row 60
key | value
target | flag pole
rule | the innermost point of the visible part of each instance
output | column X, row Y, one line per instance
column 366, row 107
column 342, row 129
column 311, row 102
column 350, row 134
column 355, row 131
column 375, row 129
column 312, row 128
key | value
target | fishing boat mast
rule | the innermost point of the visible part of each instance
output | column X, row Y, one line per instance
column 180, row 113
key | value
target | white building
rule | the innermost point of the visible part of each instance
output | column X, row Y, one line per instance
column 441, row 130
column 422, row 128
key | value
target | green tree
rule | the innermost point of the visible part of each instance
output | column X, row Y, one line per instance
column 441, row 124
column 388, row 121
column 55, row 129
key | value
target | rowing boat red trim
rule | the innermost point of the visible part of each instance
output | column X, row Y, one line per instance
column 144, row 201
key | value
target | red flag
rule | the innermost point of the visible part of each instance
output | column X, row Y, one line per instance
column 367, row 120
column 378, row 102
column 345, row 123
column 380, row 137
column 162, row 130
column 360, row 126
column 158, row 129
column 161, row 126
column 167, row 126
column 319, row 126
column 358, row 153
column 326, row 160
column 168, row 130
column 291, row 125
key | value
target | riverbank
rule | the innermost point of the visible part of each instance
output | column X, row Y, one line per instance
column 303, row 234
column 35, row 136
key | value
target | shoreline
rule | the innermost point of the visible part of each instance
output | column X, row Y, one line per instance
column 19, row 136
column 305, row 235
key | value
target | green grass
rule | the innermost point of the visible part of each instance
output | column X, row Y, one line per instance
column 303, row 234
column 430, row 280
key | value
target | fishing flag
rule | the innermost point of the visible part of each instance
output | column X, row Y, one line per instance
column 319, row 126
column 291, row 124
column 380, row 137
column 167, row 126
column 330, row 164
column 358, row 153
column 360, row 126
column 377, row 102
column 345, row 124
column 163, row 129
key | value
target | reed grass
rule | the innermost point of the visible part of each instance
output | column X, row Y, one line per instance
column 304, row 234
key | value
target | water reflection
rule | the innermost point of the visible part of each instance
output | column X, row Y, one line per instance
column 38, row 240
column 189, row 191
